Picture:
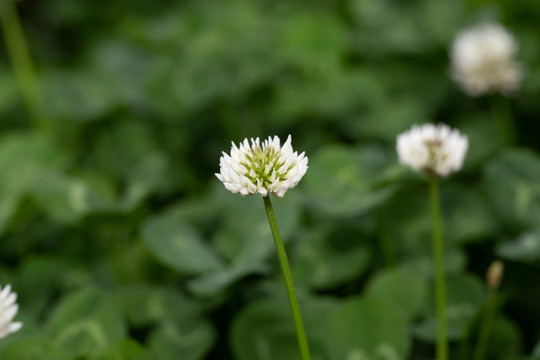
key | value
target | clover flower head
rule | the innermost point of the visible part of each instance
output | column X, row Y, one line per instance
column 262, row 168
column 483, row 60
column 436, row 149
column 8, row 310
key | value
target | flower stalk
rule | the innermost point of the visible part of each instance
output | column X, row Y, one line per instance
column 438, row 151
column 485, row 327
column 264, row 168
column 493, row 280
column 438, row 256
column 289, row 284
column 22, row 63
column 502, row 113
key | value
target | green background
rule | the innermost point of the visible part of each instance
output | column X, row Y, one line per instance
column 122, row 244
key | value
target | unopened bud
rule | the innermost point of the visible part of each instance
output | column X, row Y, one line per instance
column 494, row 274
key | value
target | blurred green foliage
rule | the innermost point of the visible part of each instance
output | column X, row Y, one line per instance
column 123, row 245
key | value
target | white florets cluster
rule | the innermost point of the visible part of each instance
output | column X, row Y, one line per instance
column 8, row 310
column 483, row 60
column 252, row 169
column 436, row 149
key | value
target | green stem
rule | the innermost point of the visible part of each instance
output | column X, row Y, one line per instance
column 438, row 254
column 502, row 113
column 22, row 63
column 287, row 276
column 485, row 328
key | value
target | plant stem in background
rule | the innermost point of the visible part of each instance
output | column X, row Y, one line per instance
column 485, row 327
column 502, row 113
column 438, row 256
column 22, row 63
column 493, row 279
column 287, row 276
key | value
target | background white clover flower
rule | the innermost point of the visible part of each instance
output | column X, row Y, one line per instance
column 483, row 60
column 433, row 148
column 8, row 310
column 265, row 168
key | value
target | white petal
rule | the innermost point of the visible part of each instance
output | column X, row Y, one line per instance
column 8, row 310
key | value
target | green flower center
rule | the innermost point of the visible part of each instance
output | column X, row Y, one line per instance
column 260, row 165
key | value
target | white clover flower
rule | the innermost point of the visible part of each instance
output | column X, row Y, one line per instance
column 436, row 149
column 483, row 60
column 8, row 310
column 262, row 169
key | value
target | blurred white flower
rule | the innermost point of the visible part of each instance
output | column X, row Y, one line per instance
column 262, row 169
column 436, row 149
column 483, row 60
column 8, row 310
